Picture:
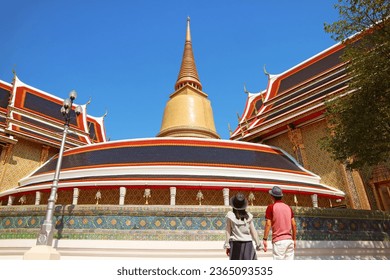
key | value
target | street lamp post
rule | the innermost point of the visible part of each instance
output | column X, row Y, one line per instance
column 46, row 234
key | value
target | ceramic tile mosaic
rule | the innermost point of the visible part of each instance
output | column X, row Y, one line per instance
column 184, row 223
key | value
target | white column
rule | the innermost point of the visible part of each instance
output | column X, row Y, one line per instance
column 38, row 196
column 76, row 193
column 173, row 195
column 314, row 200
column 122, row 194
column 10, row 200
column 225, row 192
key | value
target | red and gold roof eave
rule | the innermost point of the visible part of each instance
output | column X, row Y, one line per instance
column 271, row 95
column 8, row 87
column 190, row 142
column 19, row 115
column 4, row 136
column 181, row 174
column 21, row 126
column 262, row 134
column 299, row 115
column 99, row 128
column 248, row 117
column 271, row 103
column 260, row 129
column 18, row 103
column 274, row 86
column 182, row 183
column 5, row 85
column 50, row 139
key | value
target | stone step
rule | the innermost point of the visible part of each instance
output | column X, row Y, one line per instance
column 115, row 249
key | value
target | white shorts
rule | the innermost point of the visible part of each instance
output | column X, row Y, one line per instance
column 283, row 249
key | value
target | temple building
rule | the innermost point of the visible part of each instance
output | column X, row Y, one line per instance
column 167, row 196
column 290, row 114
column 186, row 164
column 31, row 127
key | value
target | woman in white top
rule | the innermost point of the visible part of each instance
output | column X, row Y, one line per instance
column 240, row 231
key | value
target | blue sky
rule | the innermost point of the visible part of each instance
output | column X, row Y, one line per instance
column 126, row 55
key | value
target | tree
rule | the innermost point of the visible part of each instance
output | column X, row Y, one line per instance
column 360, row 119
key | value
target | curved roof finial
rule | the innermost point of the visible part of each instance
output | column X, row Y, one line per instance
column 248, row 92
column 14, row 72
column 265, row 72
column 105, row 114
column 89, row 101
column 245, row 90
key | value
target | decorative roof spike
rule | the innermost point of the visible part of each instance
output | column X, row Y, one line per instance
column 14, row 77
column 245, row 90
column 265, row 72
column 89, row 101
column 105, row 114
column 248, row 93
column 188, row 73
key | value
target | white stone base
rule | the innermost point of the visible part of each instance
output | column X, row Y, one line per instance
column 42, row 252
column 130, row 249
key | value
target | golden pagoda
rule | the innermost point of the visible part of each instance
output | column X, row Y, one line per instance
column 188, row 112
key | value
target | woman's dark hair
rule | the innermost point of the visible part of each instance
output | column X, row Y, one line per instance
column 241, row 214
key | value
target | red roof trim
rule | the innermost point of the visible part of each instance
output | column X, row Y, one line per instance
column 275, row 86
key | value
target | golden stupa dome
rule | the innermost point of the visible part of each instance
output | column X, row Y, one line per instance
column 188, row 112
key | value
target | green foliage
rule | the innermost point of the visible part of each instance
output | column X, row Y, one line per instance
column 360, row 120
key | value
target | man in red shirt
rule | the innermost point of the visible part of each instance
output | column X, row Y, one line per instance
column 280, row 217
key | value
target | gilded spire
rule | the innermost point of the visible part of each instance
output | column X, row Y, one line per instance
column 188, row 73
column 188, row 112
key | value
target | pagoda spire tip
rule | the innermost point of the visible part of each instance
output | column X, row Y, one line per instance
column 188, row 73
column 188, row 35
